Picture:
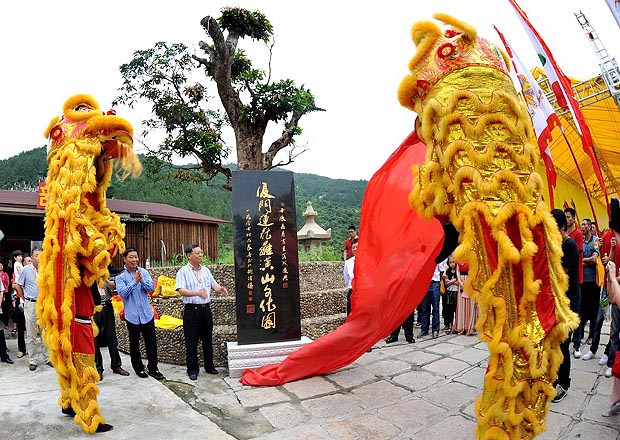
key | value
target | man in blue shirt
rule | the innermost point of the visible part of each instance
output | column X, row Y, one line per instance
column 590, row 291
column 133, row 285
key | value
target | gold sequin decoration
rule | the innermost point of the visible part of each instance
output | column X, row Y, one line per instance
column 480, row 162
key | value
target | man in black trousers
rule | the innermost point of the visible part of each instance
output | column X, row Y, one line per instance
column 4, row 357
column 194, row 282
column 107, row 328
column 570, row 263
column 407, row 326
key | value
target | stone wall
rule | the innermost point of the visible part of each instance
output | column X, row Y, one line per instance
column 323, row 308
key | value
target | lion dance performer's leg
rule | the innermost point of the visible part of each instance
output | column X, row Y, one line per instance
column 81, row 237
column 479, row 175
column 66, row 314
column 84, row 397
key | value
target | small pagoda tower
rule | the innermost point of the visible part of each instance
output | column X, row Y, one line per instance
column 311, row 235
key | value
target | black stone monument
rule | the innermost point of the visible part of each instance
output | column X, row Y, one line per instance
column 266, row 260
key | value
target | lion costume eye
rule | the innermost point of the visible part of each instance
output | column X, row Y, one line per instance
column 83, row 108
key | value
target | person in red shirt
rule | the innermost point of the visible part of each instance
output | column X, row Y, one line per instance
column 610, row 251
column 348, row 243
column 5, row 297
column 575, row 233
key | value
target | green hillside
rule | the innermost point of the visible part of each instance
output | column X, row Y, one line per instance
column 337, row 201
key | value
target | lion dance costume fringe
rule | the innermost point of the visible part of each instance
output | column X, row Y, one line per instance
column 81, row 237
column 479, row 175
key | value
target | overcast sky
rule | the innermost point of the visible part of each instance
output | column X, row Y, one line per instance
column 352, row 56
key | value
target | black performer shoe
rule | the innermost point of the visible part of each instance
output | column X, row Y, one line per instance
column 391, row 339
column 104, row 427
column 68, row 411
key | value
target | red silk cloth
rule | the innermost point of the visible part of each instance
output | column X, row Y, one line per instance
column 545, row 302
column 393, row 268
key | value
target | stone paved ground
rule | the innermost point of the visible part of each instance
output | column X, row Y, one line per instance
column 399, row 391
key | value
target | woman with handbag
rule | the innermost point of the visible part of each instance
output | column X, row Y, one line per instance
column 613, row 294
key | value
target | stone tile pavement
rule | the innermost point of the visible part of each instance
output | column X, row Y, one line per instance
column 424, row 390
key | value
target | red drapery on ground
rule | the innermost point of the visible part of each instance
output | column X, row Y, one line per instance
column 393, row 268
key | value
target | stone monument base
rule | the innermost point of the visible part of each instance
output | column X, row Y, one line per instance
column 242, row 357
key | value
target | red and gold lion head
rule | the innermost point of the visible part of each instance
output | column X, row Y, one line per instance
column 83, row 121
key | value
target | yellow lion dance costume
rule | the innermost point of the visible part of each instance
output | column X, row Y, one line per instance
column 479, row 175
column 81, row 237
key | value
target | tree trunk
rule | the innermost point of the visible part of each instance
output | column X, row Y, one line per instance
column 249, row 150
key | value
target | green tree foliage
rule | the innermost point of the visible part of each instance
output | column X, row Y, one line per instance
column 160, row 75
column 24, row 171
column 191, row 120
column 337, row 201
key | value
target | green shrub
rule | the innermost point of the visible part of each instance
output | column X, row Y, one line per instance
column 320, row 253
column 226, row 256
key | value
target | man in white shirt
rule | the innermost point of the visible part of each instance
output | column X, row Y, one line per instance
column 195, row 282
column 348, row 274
column 28, row 290
column 431, row 300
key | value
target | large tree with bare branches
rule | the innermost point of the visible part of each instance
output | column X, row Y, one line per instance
column 184, row 110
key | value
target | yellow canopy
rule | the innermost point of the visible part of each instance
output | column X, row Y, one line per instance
column 573, row 165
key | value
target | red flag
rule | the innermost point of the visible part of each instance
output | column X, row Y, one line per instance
column 563, row 91
column 394, row 265
column 541, row 111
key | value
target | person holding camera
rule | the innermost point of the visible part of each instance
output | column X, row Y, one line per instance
column 106, row 324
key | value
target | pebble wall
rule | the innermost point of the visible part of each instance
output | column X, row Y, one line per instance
column 323, row 308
